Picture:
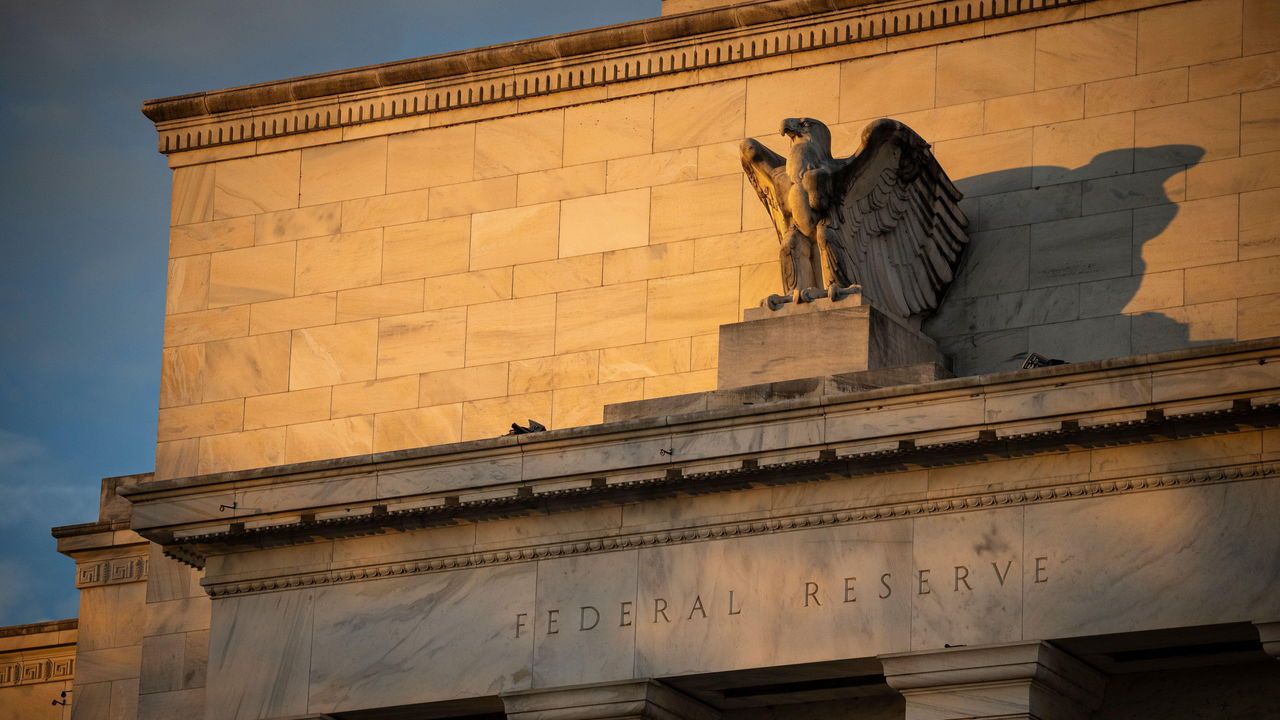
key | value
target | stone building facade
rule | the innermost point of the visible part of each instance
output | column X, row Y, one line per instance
column 374, row 272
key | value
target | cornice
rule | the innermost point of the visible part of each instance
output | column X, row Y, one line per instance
column 573, row 61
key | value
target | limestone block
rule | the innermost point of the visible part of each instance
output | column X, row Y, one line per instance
column 1260, row 276
column 1037, row 108
column 604, row 222
column 722, row 158
column 242, row 450
column 248, row 186
column 1199, row 232
column 560, row 184
column 1260, row 121
column 334, row 354
column 473, row 197
column 206, row 325
column 698, row 208
column 207, row 237
column 1181, row 327
column 556, row 371
column 1255, row 72
column 1261, row 26
column 427, row 158
column 275, row 625
column 757, row 282
column 286, row 408
column 519, row 144
column 573, row 273
column 985, row 352
column 455, row 386
column 375, row 396
column 1083, row 149
column 704, row 352
column 887, row 84
column 510, row 330
column 1259, row 224
column 995, row 262
column 724, row 251
column 493, row 417
column 986, row 164
column 1083, row 340
column 1234, row 175
column 660, row 168
column 603, row 131
column 241, row 367
column 177, row 458
column 297, row 224
column 251, row 275
column 1189, row 34
column 515, row 236
column 1134, row 190
column 161, row 669
column 419, row 427
column 679, row 384
column 337, row 262
column 422, row 342
column 438, row 247
column 379, row 301
column 292, row 313
column 1138, row 92
column 326, row 439
column 1097, row 49
column 343, row 171
column 188, row 286
column 469, row 288
column 699, row 115
column 383, row 210
column 181, row 375
column 809, row 92
column 986, row 68
column 179, row 423
column 644, row 263
column 691, row 304
column 1258, row 317
column 1021, row 207
column 1151, row 291
column 192, row 195
column 1186, row 133
column 600, row 317
column 665, row 357
column 1081, row 249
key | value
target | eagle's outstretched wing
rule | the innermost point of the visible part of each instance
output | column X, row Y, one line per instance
column 767, row 171
column 898, row 230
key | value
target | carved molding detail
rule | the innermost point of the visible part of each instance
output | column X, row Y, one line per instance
column 593, row 70
column 765, row 526
column 114, row 571
column 41, row 670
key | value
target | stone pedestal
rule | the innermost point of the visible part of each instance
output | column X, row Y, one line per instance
column 1032, row 680
column 636, row 700
column 815, row 339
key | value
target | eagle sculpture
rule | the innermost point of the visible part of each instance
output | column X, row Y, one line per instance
column 885, row 219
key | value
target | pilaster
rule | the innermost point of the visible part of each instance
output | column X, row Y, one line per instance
column 638, row 700
column 1031, row 680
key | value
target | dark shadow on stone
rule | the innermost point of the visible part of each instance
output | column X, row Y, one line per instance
column 1056, row 257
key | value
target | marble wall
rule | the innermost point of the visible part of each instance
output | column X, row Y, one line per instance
column 1078, row 567
column 394, row 286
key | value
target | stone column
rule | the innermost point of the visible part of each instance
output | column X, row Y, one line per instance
column 1032, row 680
column 631, row 700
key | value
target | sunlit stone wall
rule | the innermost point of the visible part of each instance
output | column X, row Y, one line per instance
column 435, row 278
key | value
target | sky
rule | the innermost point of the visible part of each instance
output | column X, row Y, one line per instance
column 84, row 198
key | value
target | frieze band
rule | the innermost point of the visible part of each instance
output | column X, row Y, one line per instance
column 111, row 572
column 42, row 670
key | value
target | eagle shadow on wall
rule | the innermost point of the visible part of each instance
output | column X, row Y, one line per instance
column 888, row 219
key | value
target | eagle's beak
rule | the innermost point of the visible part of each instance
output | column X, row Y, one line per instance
column 790, row 128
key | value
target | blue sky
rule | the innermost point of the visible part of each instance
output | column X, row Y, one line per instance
column 84, row 200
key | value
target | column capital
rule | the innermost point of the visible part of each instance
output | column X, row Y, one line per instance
column 1027, row 679
column 630, row 700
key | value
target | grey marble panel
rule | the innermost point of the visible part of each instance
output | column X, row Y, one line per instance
column 1074, row 398
column 1191, row 556
column 1240, row 377
column 584, row 624
column 306, row 494
column 259, row 653
column 422, row 638
column 686, row 623
column 601, row 457
column 967, row 583
column 747, row 439
column 449, row 476
column 904, row 419
column 177, row 510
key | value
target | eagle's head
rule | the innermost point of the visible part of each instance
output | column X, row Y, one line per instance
column 808, row 130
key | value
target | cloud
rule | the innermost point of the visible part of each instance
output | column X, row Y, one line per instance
column 15, row 448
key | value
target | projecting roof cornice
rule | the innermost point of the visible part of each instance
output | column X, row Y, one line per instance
column 644, row 49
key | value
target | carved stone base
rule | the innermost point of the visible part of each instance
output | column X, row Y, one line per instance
column 816, row 339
